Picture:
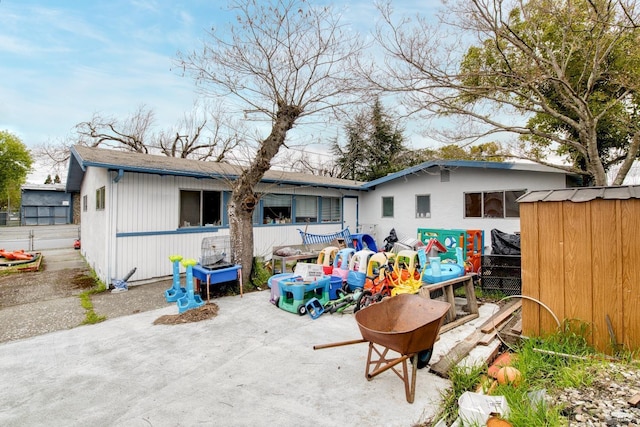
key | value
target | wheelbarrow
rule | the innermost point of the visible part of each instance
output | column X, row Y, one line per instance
column 408, row 324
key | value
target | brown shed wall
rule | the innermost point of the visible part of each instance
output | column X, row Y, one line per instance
column 582, row 260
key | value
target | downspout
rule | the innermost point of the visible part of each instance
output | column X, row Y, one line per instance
column 112, row 264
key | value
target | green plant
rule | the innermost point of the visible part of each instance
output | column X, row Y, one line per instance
column 462, row 379
column 560, row 360
column 259, row 274
column 485, row 295
column 85, row 301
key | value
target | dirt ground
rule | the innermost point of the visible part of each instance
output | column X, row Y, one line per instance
column 37, row 302
column 24, row 288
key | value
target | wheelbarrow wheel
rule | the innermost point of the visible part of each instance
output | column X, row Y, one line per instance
column 364, row 299
column 424, row 357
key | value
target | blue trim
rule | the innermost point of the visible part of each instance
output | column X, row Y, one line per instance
column 188, row 230
column 226, row 196
column 462, row 164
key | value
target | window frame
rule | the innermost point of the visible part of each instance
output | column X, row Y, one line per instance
column 204, row 198
column 427, row 213
column 101, row 198
column 508, row 205
column 387, row 199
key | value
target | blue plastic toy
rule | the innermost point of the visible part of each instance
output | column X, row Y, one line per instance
column 314, row 308
column 190, row 299
column 176, row 291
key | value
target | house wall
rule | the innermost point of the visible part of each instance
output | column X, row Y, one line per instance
column 94, row 233
column 580, row 261
column 447, row 200
column 143, row 224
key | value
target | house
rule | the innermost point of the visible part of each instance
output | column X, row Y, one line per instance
column 45, row 204
column 137, row 209
column 466, row 195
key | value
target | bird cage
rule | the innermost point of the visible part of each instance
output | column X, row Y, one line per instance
column 216, row 251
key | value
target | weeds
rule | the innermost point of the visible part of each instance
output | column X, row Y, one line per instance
column 544, row 365
column 85, row 301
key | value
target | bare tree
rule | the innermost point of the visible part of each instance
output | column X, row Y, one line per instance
column 202, row 134
column 567, row 86
column 129, row 134
column 210, row 137
column 281, row 60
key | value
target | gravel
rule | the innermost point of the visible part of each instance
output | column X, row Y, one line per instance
column 604, row 402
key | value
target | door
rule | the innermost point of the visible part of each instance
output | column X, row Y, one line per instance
column 350, row 213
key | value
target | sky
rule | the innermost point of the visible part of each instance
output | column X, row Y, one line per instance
column 61, row 61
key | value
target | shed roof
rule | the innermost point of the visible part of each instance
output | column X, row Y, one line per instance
column 452, row 164
column 126, row 161
column 583, row 194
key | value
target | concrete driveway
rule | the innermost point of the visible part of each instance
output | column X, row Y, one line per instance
column 252, row 364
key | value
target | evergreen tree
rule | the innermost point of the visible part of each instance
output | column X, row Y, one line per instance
column 374, row 146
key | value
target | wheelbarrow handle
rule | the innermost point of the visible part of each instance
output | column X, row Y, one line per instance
column 338, row 344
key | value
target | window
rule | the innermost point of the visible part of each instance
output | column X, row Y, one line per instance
column 100, row 199
column 387, row 207
column 331, row 209
column 85, row 203
column 492, row 204
column 285, row 209
column 423, row 206
column 306, row 208
column 199, row 208
column 276, row 208
column 512, row 208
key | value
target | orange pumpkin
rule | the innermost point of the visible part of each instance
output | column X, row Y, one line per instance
column 509, row 375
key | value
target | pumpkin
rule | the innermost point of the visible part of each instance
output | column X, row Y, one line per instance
column 509, row 375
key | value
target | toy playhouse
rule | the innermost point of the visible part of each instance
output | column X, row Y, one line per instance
column 471, row 242
column 295, row 293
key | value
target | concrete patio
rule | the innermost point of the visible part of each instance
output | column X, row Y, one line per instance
column 252, row 364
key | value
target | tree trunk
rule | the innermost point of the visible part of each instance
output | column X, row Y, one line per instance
column 244, row 200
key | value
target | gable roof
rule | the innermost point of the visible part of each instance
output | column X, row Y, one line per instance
column 127, row 161
column 452, row 164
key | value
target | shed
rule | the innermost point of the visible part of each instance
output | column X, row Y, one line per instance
column 581, row 258
column 45, row 204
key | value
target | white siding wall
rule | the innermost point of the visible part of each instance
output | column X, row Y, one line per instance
column 94, row 223
column 447, row 200
column 148, row 209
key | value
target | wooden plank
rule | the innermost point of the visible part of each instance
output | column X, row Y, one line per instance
column 463, row 348
column 634, row 400
column 456, row 354
column 517, row 328
column 452, row 325
column 487, row 338
column 470, row 294
column 577, row 256
column 529, row 244
column 605, row 272
column 503, row 314
column 630, row 285
column 551, row 264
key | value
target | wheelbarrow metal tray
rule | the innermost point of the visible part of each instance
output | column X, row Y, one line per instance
column 406, row 323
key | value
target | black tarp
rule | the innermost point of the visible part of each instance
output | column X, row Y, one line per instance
column 504, row 243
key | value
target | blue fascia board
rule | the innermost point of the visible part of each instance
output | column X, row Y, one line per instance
column 442, row 164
